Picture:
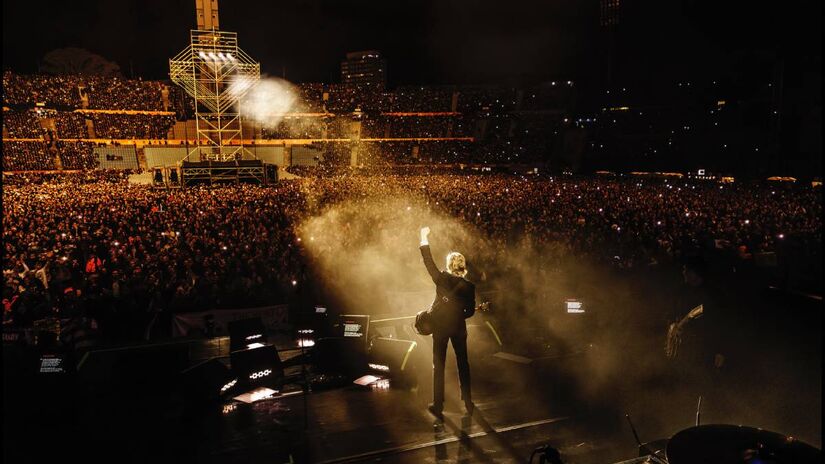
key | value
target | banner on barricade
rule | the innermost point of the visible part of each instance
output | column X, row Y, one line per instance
column 274, row 318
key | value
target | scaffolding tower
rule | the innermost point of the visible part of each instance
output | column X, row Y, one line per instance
column 217, row 74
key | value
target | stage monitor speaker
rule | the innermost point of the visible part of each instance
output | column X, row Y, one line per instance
column 340, row 355
column 246, row 332
column 392, row 356
column 257, row 367
column 134, row 369
column 484, row 337
column 207, row 380
column 353, row 326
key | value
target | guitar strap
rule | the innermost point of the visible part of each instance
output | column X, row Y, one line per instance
column 444, row 297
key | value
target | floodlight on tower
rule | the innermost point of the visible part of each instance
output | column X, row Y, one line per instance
column 216, row 73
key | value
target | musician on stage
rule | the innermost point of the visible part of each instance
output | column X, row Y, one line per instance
column 454, row 302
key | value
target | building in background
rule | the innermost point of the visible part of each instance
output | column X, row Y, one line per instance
column 609, row 15
column 364, row 67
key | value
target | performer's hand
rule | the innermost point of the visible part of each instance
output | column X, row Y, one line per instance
column 425, row 231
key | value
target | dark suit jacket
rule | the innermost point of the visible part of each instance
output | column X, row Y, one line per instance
column 455, row 298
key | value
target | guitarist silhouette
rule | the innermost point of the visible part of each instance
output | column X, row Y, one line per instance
column 454, row 302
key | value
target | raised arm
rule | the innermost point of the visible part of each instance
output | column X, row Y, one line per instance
column 427, row 255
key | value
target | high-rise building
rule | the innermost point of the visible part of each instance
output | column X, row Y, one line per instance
column 608, row 13
column 609, row 16
column 364, row 67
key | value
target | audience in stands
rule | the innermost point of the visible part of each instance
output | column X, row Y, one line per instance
column 132, row 126
column 76, row 155
column 23, row 125
column 26, row 156
column 71, row 125
column 95, row 246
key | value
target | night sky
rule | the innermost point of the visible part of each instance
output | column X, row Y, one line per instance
column 426, row 42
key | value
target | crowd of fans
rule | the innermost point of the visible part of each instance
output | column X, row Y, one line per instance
column 97, row 247
column 26, row 156
column 71, row 125
column 69, row 92
column 124, row 94
column 23, row 125
column 509, row 125
column 132, row 126
column 76, row 155
column 52, row 90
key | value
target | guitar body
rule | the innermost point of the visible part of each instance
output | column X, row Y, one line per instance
column 674, row 331
column 424, row 322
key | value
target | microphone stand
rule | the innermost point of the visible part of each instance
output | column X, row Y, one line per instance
column 307, row 389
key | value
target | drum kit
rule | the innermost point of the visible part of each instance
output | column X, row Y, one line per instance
column 727, row 444
column 737, row 444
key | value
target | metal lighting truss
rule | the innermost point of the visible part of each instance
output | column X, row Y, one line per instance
column 208, row 173
column 217, row 74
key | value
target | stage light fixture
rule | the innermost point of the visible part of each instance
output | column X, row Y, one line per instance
column 229, row 385
column 366, row 380
column 208, row 380
column 244, row 332
column 252, row 346
column 260, row 374
column 379, row 367
column 390, row 354
column 227, row 408
column 381, row 384
column 256, row 395
column 260, row 367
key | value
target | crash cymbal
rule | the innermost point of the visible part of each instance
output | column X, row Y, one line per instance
column 733, row 444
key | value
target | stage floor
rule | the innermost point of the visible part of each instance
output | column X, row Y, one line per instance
column 361, row 424
column 575, row 403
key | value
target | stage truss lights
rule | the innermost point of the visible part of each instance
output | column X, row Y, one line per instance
column 217, row 74
column 260, row 374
